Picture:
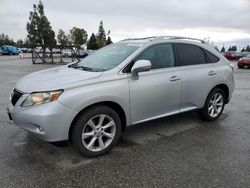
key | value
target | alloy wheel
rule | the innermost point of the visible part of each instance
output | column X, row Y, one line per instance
column 215, row 105
column 98, row 132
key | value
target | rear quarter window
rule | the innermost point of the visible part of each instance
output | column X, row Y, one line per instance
column 211, row 58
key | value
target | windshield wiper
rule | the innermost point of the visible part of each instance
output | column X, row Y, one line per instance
column 84, row 68
column 75, row 66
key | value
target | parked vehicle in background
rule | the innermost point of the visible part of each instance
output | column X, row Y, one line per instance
column 56, row 51
column 234, row 55
column 90, row 102
column 245, row 54
column 1, row 51
column 81, row 53
column 244, row 62
column 19, row 50
column 230, row 55
column 10, row 50
column 90, row 52
column 67, row 53
column 24, row 50
column 239, row 55
column 84, row 53
column 29, row 50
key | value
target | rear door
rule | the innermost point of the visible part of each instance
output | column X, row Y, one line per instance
column 198, row 76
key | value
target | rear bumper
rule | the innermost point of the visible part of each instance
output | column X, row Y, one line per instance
column 49, row 122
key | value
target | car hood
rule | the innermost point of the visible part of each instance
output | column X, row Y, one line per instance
column 53, row 78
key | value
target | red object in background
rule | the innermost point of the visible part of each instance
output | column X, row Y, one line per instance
column 230, row 55
column 244, row 62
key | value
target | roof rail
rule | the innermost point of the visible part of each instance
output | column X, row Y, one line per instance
column 166, row 37
column 153, row 37
column 180, row 38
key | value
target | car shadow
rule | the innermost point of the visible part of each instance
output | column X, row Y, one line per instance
column 38, row 150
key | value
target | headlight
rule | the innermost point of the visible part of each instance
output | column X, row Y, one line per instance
column 41, row 98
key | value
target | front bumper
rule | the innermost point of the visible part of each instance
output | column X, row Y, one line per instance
column 49, row 122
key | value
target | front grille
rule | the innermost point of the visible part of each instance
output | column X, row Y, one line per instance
column 15, row 96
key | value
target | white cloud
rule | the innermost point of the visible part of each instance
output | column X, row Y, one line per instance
column 218, row 19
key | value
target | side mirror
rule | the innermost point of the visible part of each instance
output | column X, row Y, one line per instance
column 140, row 66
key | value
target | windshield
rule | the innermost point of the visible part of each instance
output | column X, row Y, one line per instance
column 108, row 57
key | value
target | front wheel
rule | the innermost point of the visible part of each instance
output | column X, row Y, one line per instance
column 96, row 131
column 214, row 105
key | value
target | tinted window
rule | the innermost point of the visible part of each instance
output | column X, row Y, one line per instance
column 210, row 57
column 190, row 55
column 160, row 55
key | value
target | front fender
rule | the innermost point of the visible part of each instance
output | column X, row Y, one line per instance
column 113, row 91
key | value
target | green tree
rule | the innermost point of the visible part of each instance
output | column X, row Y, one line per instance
column 92, row 43
column 39, row 28
column 223, row 49
column 2, row 36
column 19, row 43
column 234, row 48
column 101, row 35
column 248, row 48
column 78, row 36
column 62, row 38
column 5, row 40
column 27, row 43
column 108, row 41
column 243, row 50
column 229, row 49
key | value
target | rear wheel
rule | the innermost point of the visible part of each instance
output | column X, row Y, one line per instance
column 240, row 66
column 96, row 131
column 214, row 105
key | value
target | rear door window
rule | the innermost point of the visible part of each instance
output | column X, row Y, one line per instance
column 190, row 55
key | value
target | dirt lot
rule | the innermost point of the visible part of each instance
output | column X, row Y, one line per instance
column 178, row 151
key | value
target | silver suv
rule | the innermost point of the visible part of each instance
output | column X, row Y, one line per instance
column 126, row 83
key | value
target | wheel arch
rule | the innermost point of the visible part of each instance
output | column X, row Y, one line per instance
column 115, row 106
column 224, row 88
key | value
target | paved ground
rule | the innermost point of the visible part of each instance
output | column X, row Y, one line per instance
column 179, row 151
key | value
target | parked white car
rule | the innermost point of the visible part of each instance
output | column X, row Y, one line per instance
column 67, row 53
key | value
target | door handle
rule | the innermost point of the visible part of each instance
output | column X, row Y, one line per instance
column 211, row 73
column 174, row 78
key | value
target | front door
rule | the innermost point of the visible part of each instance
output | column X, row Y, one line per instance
column 157, row 92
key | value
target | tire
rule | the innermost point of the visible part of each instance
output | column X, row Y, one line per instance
column 211, row 111
column 99, row 138
column 240, row 67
